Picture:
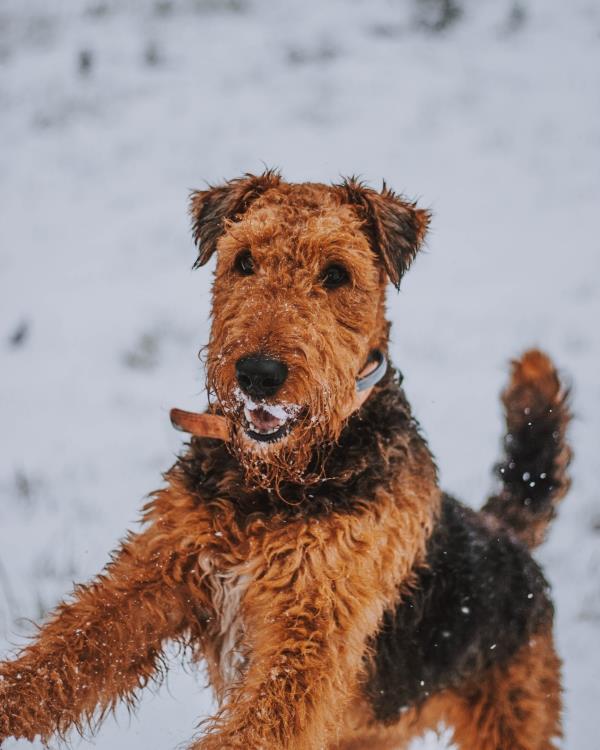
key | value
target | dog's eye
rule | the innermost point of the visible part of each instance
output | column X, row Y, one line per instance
column 244, row 264
column 334, row 276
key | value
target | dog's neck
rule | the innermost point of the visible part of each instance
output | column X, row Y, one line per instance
column 374, row 449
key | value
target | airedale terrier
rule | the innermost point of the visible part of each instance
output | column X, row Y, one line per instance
column 338, row 598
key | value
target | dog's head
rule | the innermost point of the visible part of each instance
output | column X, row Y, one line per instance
column 298, row 306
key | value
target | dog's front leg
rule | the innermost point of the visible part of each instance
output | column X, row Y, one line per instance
column 96, row 649
column 298, row 677
column 307, row 617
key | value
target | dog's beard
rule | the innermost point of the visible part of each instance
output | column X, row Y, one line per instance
column 298, row 456
column 269, row 465
column 293, row 457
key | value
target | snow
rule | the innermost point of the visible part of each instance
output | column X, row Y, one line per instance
column 111, row 111
column 281, row 411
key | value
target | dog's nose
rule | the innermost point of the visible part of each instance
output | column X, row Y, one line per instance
column 260, row 377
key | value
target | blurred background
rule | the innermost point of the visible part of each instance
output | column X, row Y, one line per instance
column 486, row 111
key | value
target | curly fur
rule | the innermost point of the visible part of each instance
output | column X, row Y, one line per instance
column 336, row 597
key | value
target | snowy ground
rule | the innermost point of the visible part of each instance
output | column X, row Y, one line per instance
column 111, row 110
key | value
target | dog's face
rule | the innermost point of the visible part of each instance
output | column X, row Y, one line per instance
column 298, row 306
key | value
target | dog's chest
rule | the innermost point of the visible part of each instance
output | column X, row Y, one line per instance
column 227, row 586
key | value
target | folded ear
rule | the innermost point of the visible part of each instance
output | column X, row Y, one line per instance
column 211, row 208
column 395, row 227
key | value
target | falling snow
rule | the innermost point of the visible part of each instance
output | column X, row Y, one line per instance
column 111, row 111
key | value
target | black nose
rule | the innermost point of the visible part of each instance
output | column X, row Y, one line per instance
column 260, row 377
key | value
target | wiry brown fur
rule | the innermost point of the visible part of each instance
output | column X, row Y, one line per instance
column 278, row 563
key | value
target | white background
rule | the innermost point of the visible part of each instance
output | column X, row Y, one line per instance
column 494, row 123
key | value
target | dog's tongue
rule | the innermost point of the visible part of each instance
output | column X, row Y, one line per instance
column 263, row 419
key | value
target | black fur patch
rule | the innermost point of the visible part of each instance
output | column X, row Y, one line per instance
column 479, row 599
column 532, row 473
column 529, row 468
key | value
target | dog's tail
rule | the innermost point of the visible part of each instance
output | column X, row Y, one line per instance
column 533, row 471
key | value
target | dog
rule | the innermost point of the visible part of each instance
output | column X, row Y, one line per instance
column 338, row 598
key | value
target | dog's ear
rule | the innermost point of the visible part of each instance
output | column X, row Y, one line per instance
column 395, row 227
column 211, row 208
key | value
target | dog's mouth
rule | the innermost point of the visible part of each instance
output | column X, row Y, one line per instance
column 267, row 423
column 261, row 424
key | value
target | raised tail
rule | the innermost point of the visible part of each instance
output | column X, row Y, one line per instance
column 533, row 471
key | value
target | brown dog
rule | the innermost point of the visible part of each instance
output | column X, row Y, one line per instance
column 339, row 599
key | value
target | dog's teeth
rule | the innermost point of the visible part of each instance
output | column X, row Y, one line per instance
column 282, row 415
column 268, row 432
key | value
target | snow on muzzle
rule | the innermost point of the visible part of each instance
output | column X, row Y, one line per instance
column 267, row 422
